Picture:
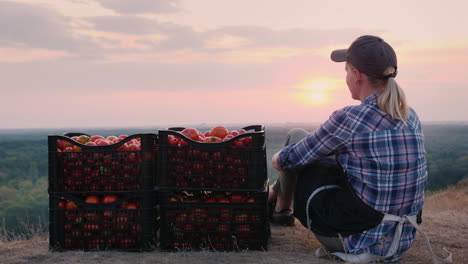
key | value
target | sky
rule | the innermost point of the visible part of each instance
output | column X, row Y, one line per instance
column 131, row 63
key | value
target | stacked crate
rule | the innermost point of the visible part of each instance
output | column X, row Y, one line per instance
column 213, row 195
column 102, row 197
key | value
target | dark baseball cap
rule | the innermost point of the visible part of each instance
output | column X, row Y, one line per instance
column 370, row 55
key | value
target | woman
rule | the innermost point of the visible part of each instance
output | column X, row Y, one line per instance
column 357, row 181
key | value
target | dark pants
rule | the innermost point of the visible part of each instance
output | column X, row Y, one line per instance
column 331, row 212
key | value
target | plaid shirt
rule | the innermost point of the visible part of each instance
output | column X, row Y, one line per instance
column 385, row 161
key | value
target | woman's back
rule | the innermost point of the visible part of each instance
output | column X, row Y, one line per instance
column 385, row 162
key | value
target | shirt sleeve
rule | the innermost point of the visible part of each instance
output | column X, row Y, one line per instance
column 330, row 136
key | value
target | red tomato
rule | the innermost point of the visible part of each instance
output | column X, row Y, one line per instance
column 131, row 206
column 236, row 198
column 71, row 205
column 123, row 147
column 219, row 131
column 134, row 146
column 112, row 138
column 248, row 141
column 172, row 140
column 92, row 199
column 191, row 133
column 122, row 137
column 68, row 149
column 223, row 200
column 102, row 142
column 110, row 198
column 76, row 149
column 62, row 144
column 228, row 137
column 96, row 137
column 212, row 139
column 239, row 143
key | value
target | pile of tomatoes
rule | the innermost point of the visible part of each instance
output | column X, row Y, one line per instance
column 226, row 165
column 115, row 169
column 97, row 140
column 215, row 135
column 102, row 222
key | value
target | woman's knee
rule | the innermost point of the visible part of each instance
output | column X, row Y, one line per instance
column 295, row 135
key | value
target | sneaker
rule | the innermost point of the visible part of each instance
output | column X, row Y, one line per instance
column 284, row 217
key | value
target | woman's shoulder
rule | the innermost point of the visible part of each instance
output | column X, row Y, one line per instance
column 358, row 112
column 366, row 118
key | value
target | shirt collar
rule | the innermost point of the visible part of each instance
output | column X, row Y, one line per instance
column 371, row 99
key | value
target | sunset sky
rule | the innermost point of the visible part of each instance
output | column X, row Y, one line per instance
column 130, row 63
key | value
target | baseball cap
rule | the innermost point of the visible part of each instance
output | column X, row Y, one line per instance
column 370, row 55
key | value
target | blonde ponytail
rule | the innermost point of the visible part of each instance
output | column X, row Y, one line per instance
column 393, row 100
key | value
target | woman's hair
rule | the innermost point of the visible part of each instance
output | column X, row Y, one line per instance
column 392, row 100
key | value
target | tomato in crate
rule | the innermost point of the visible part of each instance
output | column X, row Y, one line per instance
column 202, row 219
column 187, row 159
column 102, row 221
column 94, row 163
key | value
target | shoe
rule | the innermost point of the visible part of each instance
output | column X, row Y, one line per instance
column 284, row 217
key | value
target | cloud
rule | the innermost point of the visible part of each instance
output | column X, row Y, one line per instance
column 221, row 39
column 35, row 26
column 295, row 37
column 106, row 37
column 126, row 24
column 141, row 6
column 176, row 37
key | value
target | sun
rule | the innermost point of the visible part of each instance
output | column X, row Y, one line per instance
column 316, row 91
column 318, row 97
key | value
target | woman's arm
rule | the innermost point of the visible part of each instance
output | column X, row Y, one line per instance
column 330, row 136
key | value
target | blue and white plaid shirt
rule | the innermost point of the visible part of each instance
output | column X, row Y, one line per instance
column 385, row 161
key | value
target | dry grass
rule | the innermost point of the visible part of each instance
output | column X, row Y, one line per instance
column 445, row 222
column 25, row 231
column 454, row 198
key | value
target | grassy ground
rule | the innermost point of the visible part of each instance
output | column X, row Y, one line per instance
column 445, row 222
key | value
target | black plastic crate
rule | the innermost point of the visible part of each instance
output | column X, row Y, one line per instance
column 129, row 223
column 214, row 220
column 102, row 168
column 212, row 165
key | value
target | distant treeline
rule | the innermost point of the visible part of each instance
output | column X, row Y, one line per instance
column 24, row 167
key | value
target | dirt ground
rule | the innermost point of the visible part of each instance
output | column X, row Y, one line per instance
column 445, row 222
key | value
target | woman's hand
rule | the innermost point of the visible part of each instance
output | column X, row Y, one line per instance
column 275, row 161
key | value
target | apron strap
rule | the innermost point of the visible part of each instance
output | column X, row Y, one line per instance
column 368, row 257
column 314, row 193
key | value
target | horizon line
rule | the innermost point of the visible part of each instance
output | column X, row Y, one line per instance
column 205, row 125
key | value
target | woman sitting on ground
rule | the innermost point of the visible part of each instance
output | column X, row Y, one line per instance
column 357, row 181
